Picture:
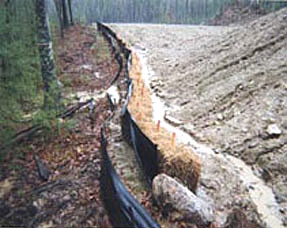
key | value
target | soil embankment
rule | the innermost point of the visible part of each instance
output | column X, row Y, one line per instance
column 237, row 14
column 226, row 86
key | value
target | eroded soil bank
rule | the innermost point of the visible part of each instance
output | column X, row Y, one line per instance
column 227, row 87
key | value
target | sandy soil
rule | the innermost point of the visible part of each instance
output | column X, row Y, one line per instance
column 227, row 87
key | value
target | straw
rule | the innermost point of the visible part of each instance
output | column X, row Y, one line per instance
column 176, row 160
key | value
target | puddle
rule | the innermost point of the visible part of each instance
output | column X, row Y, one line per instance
column 260, row 194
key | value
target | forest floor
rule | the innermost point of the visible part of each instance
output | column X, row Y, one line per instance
column 227, row 88
column 71, row 196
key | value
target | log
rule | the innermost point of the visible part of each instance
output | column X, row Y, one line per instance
column 43, row 171
column 50, row 186
column 168, row 193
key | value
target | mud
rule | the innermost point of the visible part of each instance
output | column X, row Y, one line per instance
column 225, row 86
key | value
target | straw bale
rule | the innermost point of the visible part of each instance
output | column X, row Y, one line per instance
column 176, row 159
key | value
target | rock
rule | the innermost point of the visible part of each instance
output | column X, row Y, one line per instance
column 266, row 174
column 5, row 187
column 153, row 85
column 161, row 94
column 97, row 74
column 169, row 193
column 172, row 120
column 244, row 130
column 60, row 84
column 253, row 143
column 220, row 116
column 189, row 128
column 284, row 124
column 274, row 130
column 86, row 67
column 114, row 94
column 237, row 219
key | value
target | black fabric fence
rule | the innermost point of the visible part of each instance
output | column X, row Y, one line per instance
column 118, row 47
column 124, row 210
column 120, row 63
column 145, row 149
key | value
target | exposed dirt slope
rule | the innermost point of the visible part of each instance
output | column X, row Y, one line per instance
column 227, row 86
column 237, row 14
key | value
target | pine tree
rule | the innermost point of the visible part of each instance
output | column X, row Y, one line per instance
column 19, row 65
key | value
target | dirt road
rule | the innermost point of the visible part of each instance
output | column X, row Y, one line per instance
column 227, row 88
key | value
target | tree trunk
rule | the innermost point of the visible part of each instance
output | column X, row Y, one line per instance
column 5, row 64
column 6, row 4
column 71, row 12
column 51, row 83
column 59, row 15
column 65, row 14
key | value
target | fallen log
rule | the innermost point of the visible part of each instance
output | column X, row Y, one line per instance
column 28, row 132
column 50, row 186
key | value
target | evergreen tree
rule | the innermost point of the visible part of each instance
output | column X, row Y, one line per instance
column 25, row 55
column 20, row 80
